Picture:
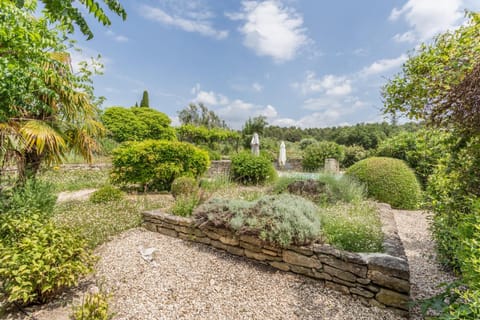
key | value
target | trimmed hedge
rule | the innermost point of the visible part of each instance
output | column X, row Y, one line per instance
column 154, row 164
column 137, row 124
column 388, row 180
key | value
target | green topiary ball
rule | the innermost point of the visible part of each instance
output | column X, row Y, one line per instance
column 388, row 180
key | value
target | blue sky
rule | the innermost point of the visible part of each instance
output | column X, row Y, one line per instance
column 306, row 63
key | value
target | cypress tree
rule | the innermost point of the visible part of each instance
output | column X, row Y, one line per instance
column 145, row 103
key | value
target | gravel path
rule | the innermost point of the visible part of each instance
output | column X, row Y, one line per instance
column 425, row 273
column 184, row 280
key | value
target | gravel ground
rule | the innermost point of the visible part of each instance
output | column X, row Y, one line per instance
column 183, row 280
column 425, row 273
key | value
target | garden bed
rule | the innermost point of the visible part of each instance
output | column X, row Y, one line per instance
column 378, row 279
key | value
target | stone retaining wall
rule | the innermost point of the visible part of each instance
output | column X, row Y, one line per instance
column 377, row 279
column 218, row 168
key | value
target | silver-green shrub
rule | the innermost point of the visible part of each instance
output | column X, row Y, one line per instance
column 280, row 219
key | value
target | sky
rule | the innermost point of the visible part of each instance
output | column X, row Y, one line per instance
column 304, row 63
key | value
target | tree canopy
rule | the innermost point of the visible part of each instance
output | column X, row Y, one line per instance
column 46, row 109
column 200, row 116
column 145, row 103
column 435, row 79
column 69, row 12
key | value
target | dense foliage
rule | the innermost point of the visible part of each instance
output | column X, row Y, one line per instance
column 282, row 219
column 145, row 102
column 69, row 12
column 247, row 168
column 154, row 164
column 47, row 109
column 353, row 154
column 421, row 150
column 439, row 84
column 388, row 180
column 94, row 306
column 137, row 124
column 38, row 259
column 314, row 155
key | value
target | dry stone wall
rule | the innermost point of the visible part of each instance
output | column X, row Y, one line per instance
column 377, row 279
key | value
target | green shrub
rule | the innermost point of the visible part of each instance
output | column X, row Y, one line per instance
column 38, row 259
column 136, row 124
column 353, row 227
column 94, row 307
column 182, row 186
column 388, row 180
column 353, row 154
column 315, row 154
column 249, row 169
column 304, row 143
column 282, row 219
column 33, row 195
column 421, row 150
column 282, row 183
column 106, row 193
column 154, row 164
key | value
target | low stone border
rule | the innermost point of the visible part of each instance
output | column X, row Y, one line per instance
column 377, row 279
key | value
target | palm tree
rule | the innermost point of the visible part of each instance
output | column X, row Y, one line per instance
column 65, row 120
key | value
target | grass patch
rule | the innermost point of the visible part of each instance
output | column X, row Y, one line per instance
column 97, row 222
column 73, row 180
column 354, row 227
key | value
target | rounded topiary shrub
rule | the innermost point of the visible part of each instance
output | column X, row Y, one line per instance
column 249, row 169
column 105, row 194
column 388, row 180
column 154, row 164
column 314, row 155
column 183, row 186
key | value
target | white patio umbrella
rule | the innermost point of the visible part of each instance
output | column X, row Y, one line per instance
column 255, row 144
column 282, row 157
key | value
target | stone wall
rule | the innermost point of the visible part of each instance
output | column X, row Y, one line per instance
column 377, row 279
column 218, row 168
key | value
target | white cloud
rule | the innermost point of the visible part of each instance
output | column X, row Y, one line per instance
column 257, row 87
column 235, row 112
column 270, row 29
column 384, row 65
column 116, row 37
column 329, row 84
column 426, row 18
column 191, row 21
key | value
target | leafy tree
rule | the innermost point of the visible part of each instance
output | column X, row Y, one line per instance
column 428, row 86
column 137, row 124
column 145, row 102
column 69, row 12
column 46, row 109
column 257, row 124
column 200, row 116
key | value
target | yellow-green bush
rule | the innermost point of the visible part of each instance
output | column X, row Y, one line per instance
column 38, row 259
column 154, row 164
column 94, row 307
column 388, row 180
column 250, row 169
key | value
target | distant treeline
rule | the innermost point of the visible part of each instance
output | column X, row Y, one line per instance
column 367, row 135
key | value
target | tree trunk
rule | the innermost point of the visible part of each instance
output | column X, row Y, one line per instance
column 28, row 165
